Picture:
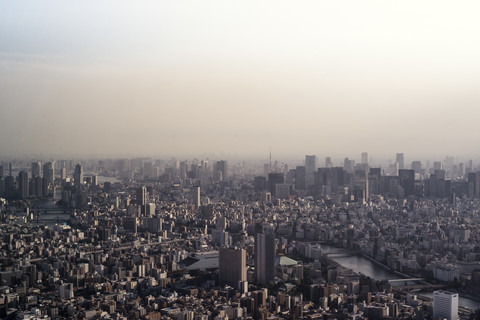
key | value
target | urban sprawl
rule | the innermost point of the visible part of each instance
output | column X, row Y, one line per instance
column 204, row 239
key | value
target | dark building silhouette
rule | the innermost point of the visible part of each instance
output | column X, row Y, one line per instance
column 232, row 266
column 23, row 185
column 264, row 257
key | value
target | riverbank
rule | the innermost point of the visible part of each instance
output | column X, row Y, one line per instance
column 376, row 270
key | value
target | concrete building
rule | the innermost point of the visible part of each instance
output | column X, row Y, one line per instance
column 445, row 305
column 233, row 266
column 264, row 257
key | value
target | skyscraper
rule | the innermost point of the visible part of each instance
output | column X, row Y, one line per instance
column 78, row 176
column 300, row 178
column 445, row 305
column 400, row 161
column 196, row 196
column 222, row 167
column 23, row 184
column 36, row 167
column 365, row 158
column 310, row 168
column 49, row 172
column 142, row 196
column 407, row 181
column 264, row 257
column 232, row 266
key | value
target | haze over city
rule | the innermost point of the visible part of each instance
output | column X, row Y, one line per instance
column 257, row 160
column 238, row 78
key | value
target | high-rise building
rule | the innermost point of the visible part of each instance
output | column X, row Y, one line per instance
column 407, row 181
column 196, row 197
column 23, row 184
column 259, row 184
column 264, row 257
column 1, row 171
column 310, row 168
column 349, row 165
column 142, row 196
column 445, row 305
column 273, row 179
column 49, row 172
column 221, row 167
column 361, row 186
column 36, row 168
column 10, row 190
column 400, row 161
column 300, row 178
column 78, row 176
column 38, row 187
column 232, row 266
column 365, row 158
column 417, row 166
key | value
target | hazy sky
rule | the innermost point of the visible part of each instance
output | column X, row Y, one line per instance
column 238, row 77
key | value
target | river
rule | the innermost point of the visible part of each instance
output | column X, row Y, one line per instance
column 362, row 265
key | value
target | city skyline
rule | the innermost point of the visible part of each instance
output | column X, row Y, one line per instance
column 188, row 79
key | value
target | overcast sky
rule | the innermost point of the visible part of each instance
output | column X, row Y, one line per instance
column 238, row 77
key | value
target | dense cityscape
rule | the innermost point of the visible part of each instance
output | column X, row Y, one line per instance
column 147, row 238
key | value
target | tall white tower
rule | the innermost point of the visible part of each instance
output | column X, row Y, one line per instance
column 445, row 305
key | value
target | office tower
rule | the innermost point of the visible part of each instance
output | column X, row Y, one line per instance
column 445, row 305
column 10, row 190
column 36, row 167
column 365, row 158
column 78, row 177
column 10, row 169
column 437, row 165
column 232, row 266
column 38, row 187
column 374, row 178
column 49, row 172
column 417, row 167
column 1, row 171
column 142, row 196
column 394, row 167
column 221, row 167
column 407, row 181
column 273, row 179
column 310, row 168
column 23, row 184
column 473, row 178
column 196, row 196
column 328, row 162
column 348, row 165
column 264, row 257
column 361, row 186
column 300, row 178
column 259, row 184
column 400, row 161
column 183, row 168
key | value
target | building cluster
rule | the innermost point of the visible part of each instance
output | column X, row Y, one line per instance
column 156, row 239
